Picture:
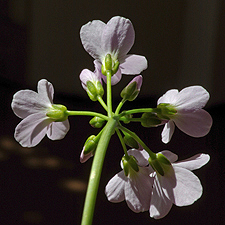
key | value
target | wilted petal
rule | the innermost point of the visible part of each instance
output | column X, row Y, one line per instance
column 133, row 64
column 195, row 124
column 90, row 35
column 31, row 130
column 118, row 36
column 160, row 204
column 169, row 97
column 168, row 131
column 192, row 98
column 138, row 190
column 114, row 190
column 46, row 91
column 58, row 130
column 194, row 162
column 188, row 187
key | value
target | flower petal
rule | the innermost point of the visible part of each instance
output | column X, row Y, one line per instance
column 114, row 190
column 85, row 157
column 90, row 35
column 170, row 155
column 194, row 162
column 46, row 91
column 186, row 190
column 138, row 190
column 118, row 37
column 140, row 155
column 192, row 98
column 167, row 132
column 133, row 64
column 169, row 97
column 58, row 130
column 31, row 130
column 115, row 78
column 195, row 124
column 160, row 205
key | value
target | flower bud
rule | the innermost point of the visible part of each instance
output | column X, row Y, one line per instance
column 131, row 91
column 130, row 141
column 94, row 90
column 97, row 122
column 57, row 112
column 90, row 145
column 149, row 120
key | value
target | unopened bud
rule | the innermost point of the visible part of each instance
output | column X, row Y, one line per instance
column 97, row 122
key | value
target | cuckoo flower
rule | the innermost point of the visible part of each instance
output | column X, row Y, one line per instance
column 184, row 109
column 136, row 187
column 115, row 38
column 178, row 186
column 40, row 116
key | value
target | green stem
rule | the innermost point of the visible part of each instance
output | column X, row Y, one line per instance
column 109, row 93
column 132, row 134
column 119, row 106
column 102, row 103
column 122, row 142
column 96, row 170
column 132, row 111
column 86, row 113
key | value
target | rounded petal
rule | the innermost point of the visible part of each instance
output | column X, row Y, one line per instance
column 160, row 205
column 187, row 190
column 31, row 130
column 194, row 162
column 133, row 64
column 114, row 190
column 169, row 97
column 167, row 132
column 170, row 155
column 45, row 91
column 58, row 130
column 118, row 37
column 90, row 35
column 138, row 190
column 140, row 155
column 195, row 124
column 192, row 98
column 85, row 157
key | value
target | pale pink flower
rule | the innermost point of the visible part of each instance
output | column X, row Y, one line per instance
column 190, row 117
column 135, row 188
column 178, row 186
column 115, row 38
column 32, row 107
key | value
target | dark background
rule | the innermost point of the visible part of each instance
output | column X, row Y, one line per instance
column 184, row 44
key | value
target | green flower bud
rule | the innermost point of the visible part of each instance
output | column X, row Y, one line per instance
column 94, row 90
column 149, row 120
column 167, row 111
column 97, row 122
column 129, row 165
column 126, row 118
column 57, row 112
column 90, row 145
column 130, row 141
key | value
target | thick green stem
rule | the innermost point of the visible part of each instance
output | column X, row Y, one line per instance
column 96, row 170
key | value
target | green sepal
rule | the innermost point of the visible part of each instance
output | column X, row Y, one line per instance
column 97, row 122
column 129, row 165
column 166, row 111
column 57, row 112
column 130, row 92
column 130, row 141
column 90, row 145
column 94, row 90
column 150, row 120
column 156, row 166
column 115, row 67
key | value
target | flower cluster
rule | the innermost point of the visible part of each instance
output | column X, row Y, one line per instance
column 146, row 189
column 149, row 181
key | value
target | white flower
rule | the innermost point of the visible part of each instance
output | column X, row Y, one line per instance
column 178, row 186
column 190, row 117
column 33, row 107
column 115, row 38
column 135, row 188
